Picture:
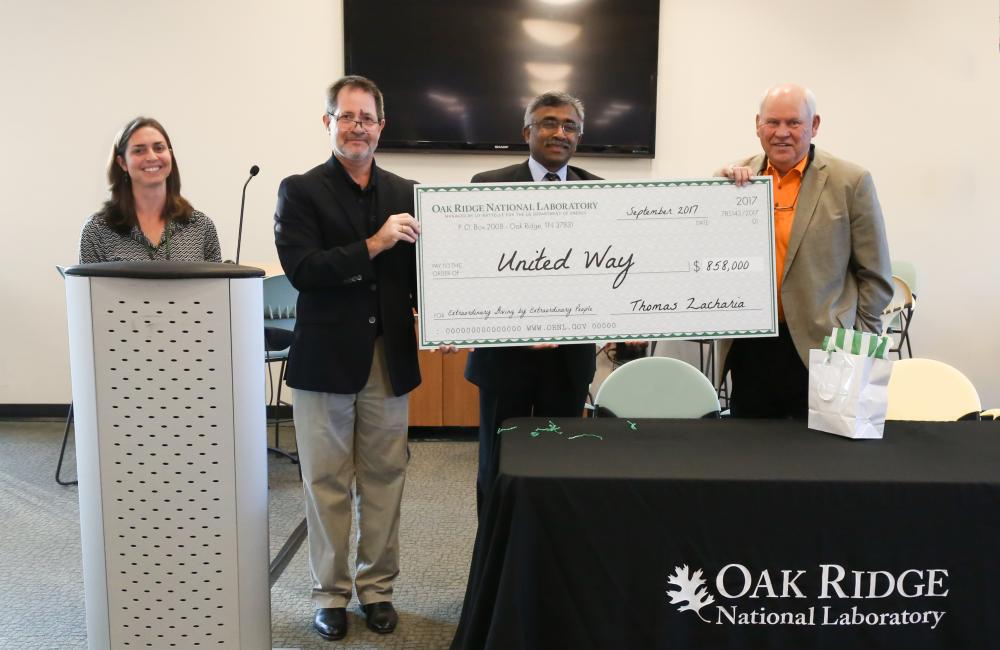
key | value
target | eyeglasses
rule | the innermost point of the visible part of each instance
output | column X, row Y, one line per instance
column 552, row 124
column 347, row 122
column 787, row 208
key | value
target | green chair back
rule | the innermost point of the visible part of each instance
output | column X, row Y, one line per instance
column 908, row 272
column 657, row 387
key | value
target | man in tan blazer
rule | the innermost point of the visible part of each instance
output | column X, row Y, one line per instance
column 832, row 256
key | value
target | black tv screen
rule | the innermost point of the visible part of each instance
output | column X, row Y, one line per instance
column 458, row 74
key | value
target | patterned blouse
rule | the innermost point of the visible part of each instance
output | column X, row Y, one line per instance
column 194, row 240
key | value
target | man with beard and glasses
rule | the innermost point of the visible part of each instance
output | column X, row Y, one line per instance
column 544, row 380
column 345, row 236
column 831, row 254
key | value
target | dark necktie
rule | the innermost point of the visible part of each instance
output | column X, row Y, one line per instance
column 551, row 177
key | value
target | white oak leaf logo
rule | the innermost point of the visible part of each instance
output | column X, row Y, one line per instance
column 691, row 590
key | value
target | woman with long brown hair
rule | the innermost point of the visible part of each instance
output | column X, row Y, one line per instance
column 146, row 217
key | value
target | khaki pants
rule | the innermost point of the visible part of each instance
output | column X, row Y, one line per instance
column 360, row 438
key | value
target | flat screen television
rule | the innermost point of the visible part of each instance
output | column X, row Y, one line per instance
column 458, row 74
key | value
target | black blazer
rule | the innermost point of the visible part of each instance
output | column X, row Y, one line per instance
column 498, row 368
column 320, row 233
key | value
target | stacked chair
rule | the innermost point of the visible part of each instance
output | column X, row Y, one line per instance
column 280, row 298
column 898, row 315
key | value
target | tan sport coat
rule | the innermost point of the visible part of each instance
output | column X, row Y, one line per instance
column 837, row 269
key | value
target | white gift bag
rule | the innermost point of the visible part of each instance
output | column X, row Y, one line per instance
column 848, row 393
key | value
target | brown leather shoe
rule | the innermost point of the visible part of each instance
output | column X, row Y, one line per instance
column 381, row 617
column 331, row 623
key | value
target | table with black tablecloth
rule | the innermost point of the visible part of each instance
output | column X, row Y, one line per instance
column 610, row 533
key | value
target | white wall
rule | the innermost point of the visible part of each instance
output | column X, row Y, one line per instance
column 908, row 88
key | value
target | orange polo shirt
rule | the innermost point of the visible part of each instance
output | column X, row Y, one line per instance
column 786, row 198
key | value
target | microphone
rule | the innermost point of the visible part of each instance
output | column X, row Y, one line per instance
column 239, row 237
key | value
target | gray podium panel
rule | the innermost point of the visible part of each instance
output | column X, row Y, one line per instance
column 173, row 461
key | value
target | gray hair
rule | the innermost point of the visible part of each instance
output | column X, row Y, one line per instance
column 553, row 98
column 355, row 81
column 810, row 98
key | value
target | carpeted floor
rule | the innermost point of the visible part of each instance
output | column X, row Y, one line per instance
column 41, row 600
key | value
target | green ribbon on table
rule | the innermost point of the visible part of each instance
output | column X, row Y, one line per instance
column 551, row 428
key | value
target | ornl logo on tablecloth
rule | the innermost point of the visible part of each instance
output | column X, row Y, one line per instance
column 741, row 596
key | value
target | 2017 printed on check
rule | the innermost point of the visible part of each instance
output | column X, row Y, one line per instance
column 527, row 263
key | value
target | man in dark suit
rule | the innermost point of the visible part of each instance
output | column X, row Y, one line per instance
column 544, row 380
column 345, row 232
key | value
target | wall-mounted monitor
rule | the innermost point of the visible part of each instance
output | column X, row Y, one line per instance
column 458, row 74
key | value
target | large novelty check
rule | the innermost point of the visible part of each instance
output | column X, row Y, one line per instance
column 523, row 263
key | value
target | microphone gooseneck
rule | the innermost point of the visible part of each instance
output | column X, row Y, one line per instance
column 243, row 200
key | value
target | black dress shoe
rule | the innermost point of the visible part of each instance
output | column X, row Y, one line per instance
column 381, row 617
column 331, row 623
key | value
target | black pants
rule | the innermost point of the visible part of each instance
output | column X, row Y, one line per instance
column 769, row 378
column 543, row 391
